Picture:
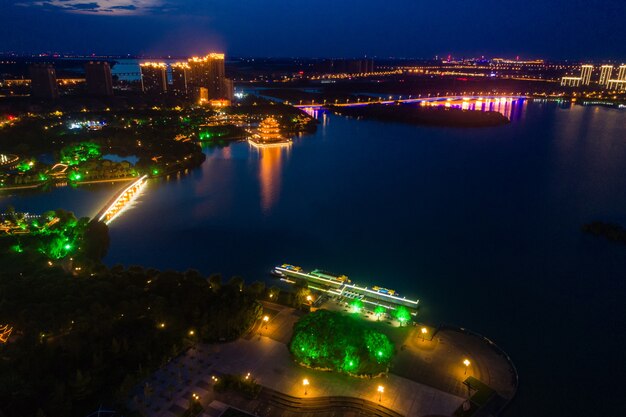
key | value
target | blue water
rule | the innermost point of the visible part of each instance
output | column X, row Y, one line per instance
column 482, row 225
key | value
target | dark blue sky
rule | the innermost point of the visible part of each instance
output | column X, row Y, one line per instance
column 576, row 29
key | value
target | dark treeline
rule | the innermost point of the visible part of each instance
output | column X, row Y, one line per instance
column 610, row 231
column 86, row 339
column 430, row 116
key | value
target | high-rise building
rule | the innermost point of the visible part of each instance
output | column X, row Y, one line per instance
column 153, row 77
column 98, row 77
column 209, row 72
column 605, row 74
column 585, row 74
column 229, row 89
column 43, row 81
column 621, row 73
column 181, row 74
column 570, row 81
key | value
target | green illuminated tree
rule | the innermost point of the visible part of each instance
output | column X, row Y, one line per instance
column 357, row 305
column 402, row 314
column 380, row 311
column 343, row 343
column 76, row 153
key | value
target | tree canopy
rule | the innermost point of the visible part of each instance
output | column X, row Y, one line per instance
column 342, row 343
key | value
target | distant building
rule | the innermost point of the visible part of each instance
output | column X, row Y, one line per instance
column 229, row 89
column 98, row 78
column 585, row 74
column 605, row 74
column 153, row 77
column 209, row 72
column 621, row 73
column 181, row 77
column 203, row 95
column 570, row 81
column 43, row 81
column 618, row 85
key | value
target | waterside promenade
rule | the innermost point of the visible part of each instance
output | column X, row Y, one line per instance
column 426, row 378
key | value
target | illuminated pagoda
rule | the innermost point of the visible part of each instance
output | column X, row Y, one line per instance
column 268, row 134
column 5, row 332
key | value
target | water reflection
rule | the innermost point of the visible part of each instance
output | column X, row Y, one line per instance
column 317, row 113
column 270, row 168
column 511, row 108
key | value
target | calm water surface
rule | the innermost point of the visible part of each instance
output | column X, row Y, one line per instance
column 482, row 225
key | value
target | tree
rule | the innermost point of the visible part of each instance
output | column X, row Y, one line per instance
column 215, row 282
column 402, row 314
column 380, row 311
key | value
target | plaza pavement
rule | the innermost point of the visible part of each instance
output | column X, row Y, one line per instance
column 435, row 362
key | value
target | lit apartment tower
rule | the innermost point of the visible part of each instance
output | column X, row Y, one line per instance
column 208, row 72
column 570, row 81
column 229, row 89
column 43, row 82
column 181, row 77
column 153, row 77
column 98, row 77
column 621, row 73
column 585, row 74
column 605, row 74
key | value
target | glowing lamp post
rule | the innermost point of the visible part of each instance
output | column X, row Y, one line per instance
column 424, row 331
column 467, row 363
column 266, row 319
column 305, row 382
column 381, row 389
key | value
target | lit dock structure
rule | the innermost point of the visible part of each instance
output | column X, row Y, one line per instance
column 340, row 286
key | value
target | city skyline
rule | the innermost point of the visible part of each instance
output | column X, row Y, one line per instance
column 277, row 29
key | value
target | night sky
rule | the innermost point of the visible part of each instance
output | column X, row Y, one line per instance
column 557, row 29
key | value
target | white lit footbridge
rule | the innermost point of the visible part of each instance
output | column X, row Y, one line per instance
column 122, row 201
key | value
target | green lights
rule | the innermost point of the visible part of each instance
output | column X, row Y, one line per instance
column 155, row 171
column 357, row 305
column 402, row 314
column 80, row 152
column 74, row 176
column 25, row 165
column 343, row 343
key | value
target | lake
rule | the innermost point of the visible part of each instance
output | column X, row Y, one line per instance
column 482, row 225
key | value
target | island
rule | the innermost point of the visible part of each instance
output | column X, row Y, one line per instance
column 423, row 115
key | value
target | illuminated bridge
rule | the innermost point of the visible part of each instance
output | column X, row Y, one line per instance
column 442, row 99
column 122, row 201
column 8, row 160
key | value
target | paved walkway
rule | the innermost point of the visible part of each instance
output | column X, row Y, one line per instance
column 269, row 362
column 436, row 362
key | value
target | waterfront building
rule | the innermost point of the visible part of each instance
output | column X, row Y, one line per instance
column 43, row 81
column 98, row 78
column 181, row 74
column 153, row 77
column 570, row 81
column 585, row 74
column 605, row 74
column 268, row 134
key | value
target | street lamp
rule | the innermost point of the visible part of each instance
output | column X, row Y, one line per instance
column 266, row 319
column 424, row 331
column 309, row 298
column 467, row 363
column 305, row 382
column 381, row 389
